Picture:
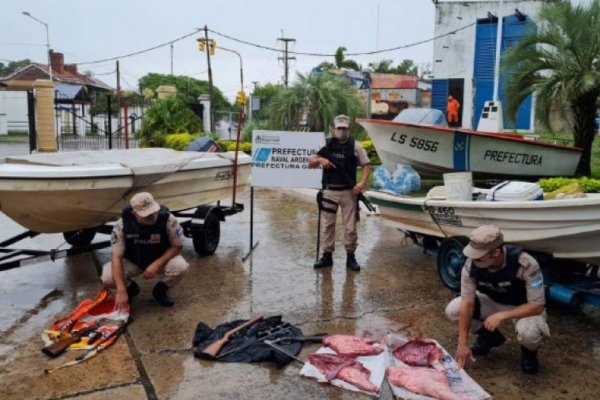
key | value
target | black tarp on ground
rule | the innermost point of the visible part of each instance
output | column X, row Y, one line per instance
column 251, row 348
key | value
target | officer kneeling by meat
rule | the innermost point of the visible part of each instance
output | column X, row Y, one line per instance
column 146, row 241
column 498, row 283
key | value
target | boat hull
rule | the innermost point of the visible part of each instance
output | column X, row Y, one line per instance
column 564, row 228
column 70, row 203
column 433, row 151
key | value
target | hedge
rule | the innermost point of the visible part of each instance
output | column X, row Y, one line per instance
column 588, row 185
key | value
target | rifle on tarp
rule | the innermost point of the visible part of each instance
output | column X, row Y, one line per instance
column 326, row 153
column 213, row 349
column 55, row 349
column 260, row 337
column 107, row 337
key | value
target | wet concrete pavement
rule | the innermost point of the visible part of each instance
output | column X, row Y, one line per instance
column 154, row 360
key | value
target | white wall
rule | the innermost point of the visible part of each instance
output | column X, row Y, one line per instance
column 454, row 55
column 3, row 125
column 14, row 105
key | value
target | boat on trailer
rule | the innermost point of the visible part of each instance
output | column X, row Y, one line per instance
column 421, row 138
column 563, row 233
column 62, row 192
column 80, row 194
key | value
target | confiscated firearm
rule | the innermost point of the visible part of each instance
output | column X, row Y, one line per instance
column 56, row 348
column 326, row 153
column 260, row 337
column 213, row 349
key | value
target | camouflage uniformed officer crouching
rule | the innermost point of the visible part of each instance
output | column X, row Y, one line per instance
column 340, row 189
column 499, row 283
column 146, row 241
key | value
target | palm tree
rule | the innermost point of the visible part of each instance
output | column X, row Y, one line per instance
column 342, row 62
column 560, row 63
column 313, row 101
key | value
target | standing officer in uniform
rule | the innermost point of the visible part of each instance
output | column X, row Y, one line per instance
column 146, row 241
column 499, row 283
column 341, row 189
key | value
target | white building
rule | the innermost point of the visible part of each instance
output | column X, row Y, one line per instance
column 465, row 50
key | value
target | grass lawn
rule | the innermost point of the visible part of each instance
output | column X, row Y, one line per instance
column 14, row 137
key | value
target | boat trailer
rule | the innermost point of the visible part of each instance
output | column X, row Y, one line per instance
column 570, row 283
column 202, row 224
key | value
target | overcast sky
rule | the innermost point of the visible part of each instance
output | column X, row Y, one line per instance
column 90, row 30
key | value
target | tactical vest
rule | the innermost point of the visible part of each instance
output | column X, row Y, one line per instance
column 502, row 286
column 345, row 159
column 144, row 244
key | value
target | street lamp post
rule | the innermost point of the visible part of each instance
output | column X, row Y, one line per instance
column 47, row 40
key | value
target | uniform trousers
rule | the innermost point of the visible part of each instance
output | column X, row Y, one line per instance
column 171, row 274
column 530, row 330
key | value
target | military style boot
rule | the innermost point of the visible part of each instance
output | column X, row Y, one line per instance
column 529, row 361
column 351, row 262
column 132, row 290
column 325, row 261
column 486, row 340
column 161, row 294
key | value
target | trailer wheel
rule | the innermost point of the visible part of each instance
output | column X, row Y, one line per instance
column 206, row 238
column 450, row 260
column 80, row 238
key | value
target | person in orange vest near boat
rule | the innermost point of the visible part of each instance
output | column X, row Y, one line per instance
column 146, row 241
column 452, row 111
column 499, row 283
column 340, row 189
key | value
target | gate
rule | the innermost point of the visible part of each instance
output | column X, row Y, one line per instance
column 94, row 122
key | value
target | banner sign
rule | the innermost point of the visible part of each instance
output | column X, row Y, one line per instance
column 280, row 159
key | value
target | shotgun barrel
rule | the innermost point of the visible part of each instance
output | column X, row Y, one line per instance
column 213, row 349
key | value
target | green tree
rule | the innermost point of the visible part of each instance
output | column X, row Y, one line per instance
column 407, row 67
column 266, row 93
column 560, row 64
column 167, row 116
column 188, row 88
column 99, row 102
column 342, row 62
column 12, row 66
column 382, row 67
column 313, row 101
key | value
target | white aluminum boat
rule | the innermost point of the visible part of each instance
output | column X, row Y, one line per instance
column 567, row 228
column 62, row 192
column 421, row 138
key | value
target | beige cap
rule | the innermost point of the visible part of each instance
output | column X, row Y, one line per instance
column 341, row 121
column 483, row 240
column 143, row 204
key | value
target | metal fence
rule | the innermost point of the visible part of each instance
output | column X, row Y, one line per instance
column 78, row 129
column 70, row 142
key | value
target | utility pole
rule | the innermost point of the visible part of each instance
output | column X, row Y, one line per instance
column 210, row 82
column 285, row 57
column 171, row 59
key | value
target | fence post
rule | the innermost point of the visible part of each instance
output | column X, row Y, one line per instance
column 31, row 121
column 109, row 112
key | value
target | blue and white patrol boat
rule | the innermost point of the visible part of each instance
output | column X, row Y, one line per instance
column 421, row 138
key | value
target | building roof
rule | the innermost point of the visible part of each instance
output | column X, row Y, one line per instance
column 67, row 93
column 35, row 71
column 393, row 81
